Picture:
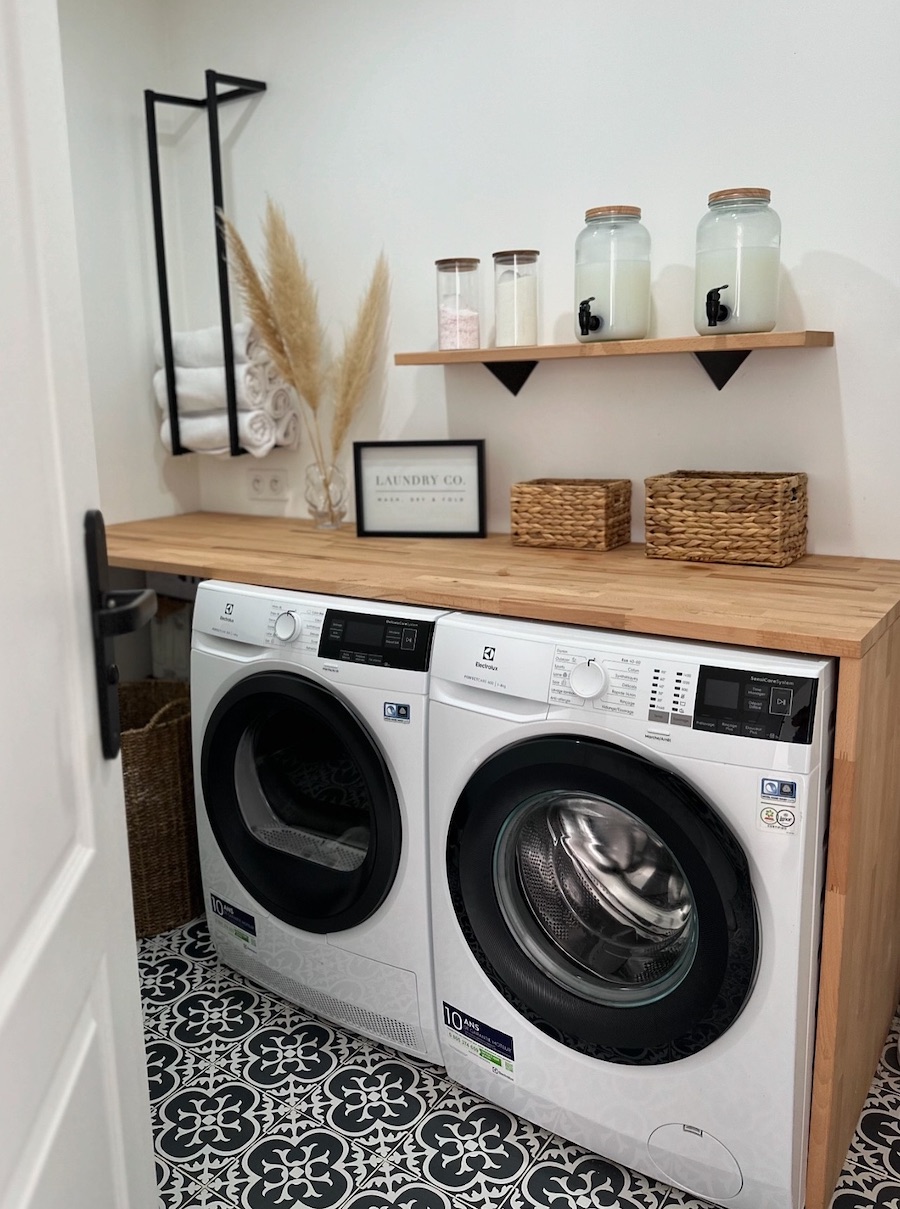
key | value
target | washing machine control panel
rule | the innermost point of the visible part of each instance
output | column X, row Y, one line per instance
column 757, row 705
column 374, row 639
column 694, row 696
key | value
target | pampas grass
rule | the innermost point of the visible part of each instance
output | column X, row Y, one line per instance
column 283, row 306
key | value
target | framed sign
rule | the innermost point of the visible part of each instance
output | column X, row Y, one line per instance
column 419, row 488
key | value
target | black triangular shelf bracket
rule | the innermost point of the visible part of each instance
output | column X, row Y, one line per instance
column 513, row 374
column 722, row 366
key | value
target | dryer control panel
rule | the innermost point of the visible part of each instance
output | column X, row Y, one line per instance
column 371, row 638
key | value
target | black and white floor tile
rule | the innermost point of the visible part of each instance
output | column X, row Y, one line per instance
column 258, row 1105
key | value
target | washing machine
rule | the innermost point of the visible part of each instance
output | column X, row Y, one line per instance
column 627, row 840
column 309, row 732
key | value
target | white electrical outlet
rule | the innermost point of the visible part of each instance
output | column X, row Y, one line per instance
column 267, row 485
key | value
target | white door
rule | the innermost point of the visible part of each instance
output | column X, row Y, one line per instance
column 74, row 1114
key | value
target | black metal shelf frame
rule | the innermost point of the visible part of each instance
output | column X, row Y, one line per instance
column 239, row 89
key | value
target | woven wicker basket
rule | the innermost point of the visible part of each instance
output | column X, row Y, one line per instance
column 159, row 804
column 575, row 514
column 727, row 517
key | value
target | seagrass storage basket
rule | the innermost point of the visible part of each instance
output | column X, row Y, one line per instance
column 157, row 767
column 726, row 517
column 574, row 514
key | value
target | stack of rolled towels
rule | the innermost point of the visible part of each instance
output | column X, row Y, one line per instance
column 268, row 413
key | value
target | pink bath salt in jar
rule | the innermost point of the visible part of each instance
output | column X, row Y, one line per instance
column 458, row 299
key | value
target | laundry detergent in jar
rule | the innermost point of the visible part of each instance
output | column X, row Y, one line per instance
column 612, row 275
column 738, row 263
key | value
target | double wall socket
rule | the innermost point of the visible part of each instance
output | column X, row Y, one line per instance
column 267, row 485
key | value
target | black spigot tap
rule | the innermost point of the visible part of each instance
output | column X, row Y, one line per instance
column 586, row 321
column 716, row 310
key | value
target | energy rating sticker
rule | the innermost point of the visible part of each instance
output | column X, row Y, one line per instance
column 237, row 923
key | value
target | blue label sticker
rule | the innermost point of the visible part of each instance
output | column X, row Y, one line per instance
column 770, row 788
column 233, row 915
column 476, row 1031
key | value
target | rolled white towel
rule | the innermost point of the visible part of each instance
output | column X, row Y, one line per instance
column 203, row 348
column 279, row 401
column 287, row 430
column 209, row 433
column 203, row 389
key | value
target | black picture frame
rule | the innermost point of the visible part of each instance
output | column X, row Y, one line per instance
column 443, row 479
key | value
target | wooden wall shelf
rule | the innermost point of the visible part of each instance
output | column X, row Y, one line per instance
column 720, row 356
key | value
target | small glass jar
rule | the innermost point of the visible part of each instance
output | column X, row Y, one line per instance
column 516, row 298
column 738, row 264
column 612, row 275
column 458, row 298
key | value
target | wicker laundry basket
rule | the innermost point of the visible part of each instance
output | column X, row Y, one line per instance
column 159, row 804
column 727, row 517
column 573, row 514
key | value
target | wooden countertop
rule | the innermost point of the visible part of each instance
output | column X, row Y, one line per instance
column 822, row 604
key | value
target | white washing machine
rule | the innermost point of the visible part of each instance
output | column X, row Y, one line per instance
column 627, row 840
column 309, row 724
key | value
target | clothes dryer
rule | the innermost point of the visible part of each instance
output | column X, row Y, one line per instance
column 309, row 729
column 627, row 842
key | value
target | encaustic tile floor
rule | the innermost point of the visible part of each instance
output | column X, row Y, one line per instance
column 257, row 1104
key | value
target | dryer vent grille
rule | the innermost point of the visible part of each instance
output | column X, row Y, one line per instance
column 371, row 1024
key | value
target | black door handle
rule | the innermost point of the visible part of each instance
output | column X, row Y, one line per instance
column 125, row 612
column 112, row 613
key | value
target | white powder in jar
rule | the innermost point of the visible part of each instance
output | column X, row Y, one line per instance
column 458, row 328
column 515, row 307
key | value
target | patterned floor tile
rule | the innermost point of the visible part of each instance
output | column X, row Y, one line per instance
column 566, row 1175
column 889, row 1066
column 392, row 1188
column 876, row 1143
column 376, row 1098
column 202, row 1127
column 170, row 1066
column 214, row 1017
column 210, row 1198
column 174, row 1187
column 297, row 1165
column 470, row 1149
column 859, row 1188
column 289, row 1055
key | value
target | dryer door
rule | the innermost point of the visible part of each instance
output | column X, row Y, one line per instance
column 604, row 898
column 300, row 802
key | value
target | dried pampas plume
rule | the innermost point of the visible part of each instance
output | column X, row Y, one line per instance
column 282, row 304
column 354, row 365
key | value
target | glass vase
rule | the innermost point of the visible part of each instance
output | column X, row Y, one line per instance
column 326, row 494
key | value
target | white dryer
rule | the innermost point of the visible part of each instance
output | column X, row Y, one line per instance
column 309, row 730
column 627, row 842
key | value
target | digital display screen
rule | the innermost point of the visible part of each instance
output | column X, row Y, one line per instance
column 722, row 694
column 364, row 633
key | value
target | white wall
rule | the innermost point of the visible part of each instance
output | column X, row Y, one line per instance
column 112, row 51
column 435, row 131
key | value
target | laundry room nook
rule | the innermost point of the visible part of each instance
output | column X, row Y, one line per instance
column 473, row 778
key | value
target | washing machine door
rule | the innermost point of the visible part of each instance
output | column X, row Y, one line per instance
column 604, row 898
column 300, row 802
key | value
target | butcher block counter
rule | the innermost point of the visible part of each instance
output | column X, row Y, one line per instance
column 822, row 605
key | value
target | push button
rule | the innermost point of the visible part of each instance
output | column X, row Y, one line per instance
column 729, row 726
column 781, row 700
column 753, row 730
column 408, row 642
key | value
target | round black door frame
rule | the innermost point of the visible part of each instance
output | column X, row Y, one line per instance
column 720, row 979
column 302, row 893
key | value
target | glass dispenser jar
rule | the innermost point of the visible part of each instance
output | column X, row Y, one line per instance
column 738, row 263
column 458, row 299
column 516, row 298
column 612, row 275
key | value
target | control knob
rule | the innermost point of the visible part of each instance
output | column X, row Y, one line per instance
column 286, row 626
column 587, row 679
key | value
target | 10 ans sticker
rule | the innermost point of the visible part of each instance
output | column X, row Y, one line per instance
column 777, row 810
column 478, row 1040
column 236, row 923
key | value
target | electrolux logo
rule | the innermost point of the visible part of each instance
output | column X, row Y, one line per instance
column 490, row 653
